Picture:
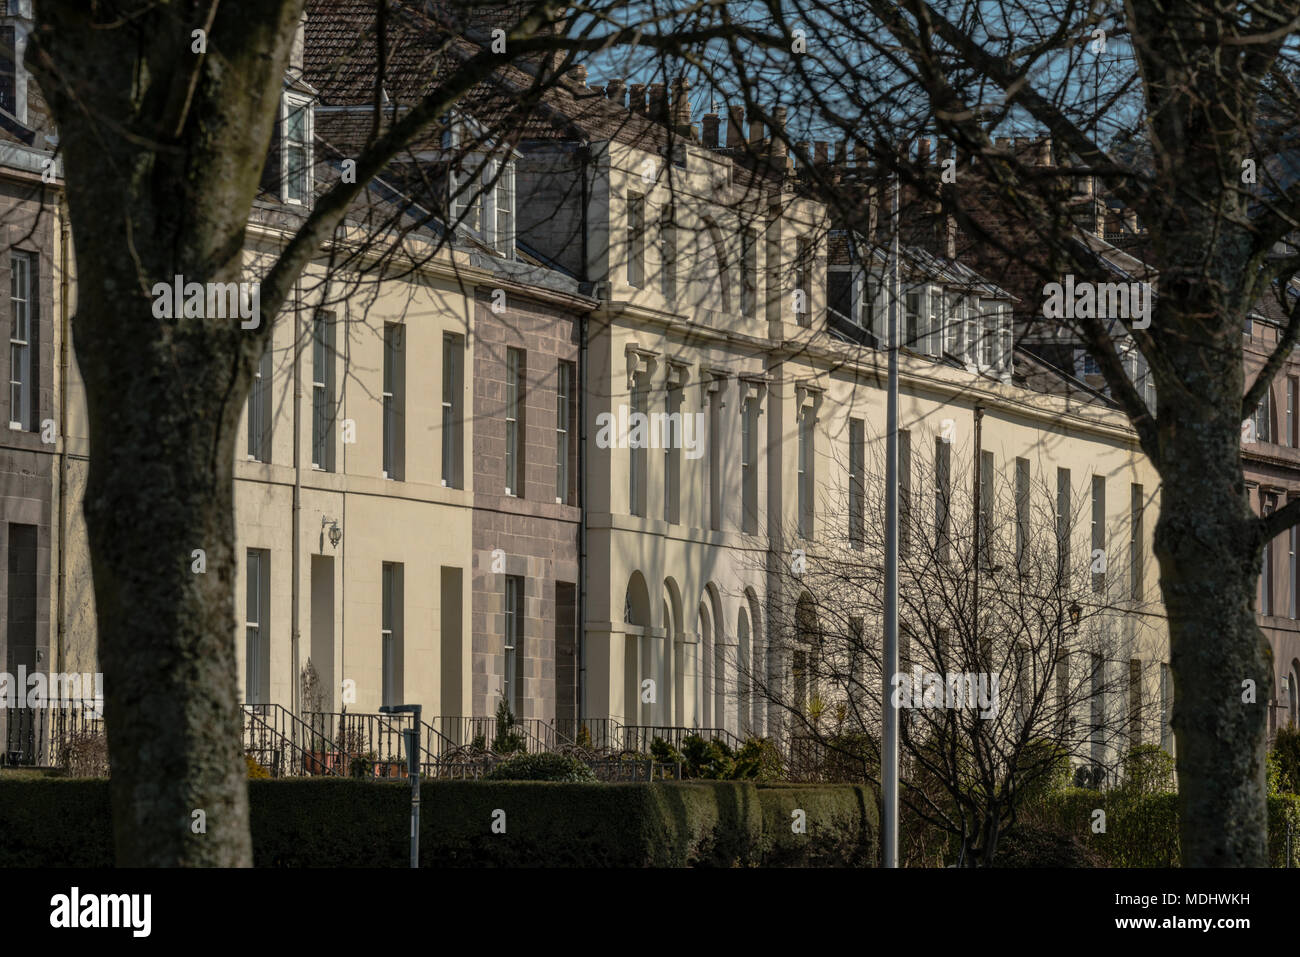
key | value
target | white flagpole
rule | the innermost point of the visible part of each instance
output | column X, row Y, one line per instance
column 889, row 746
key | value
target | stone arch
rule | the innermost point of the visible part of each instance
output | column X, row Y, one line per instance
column 671, row 709
column 1293, row 694
column 636, row 601
column 744, row 677
column 760, row 673
column 704, row 669
column 807, row 648
column 636, row 614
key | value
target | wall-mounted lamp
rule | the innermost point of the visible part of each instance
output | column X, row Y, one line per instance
column 1075, row 611
column 336, row 533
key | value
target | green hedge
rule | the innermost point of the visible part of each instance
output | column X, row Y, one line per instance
column 1142, row 830
column 347, row 823
column 840, row 821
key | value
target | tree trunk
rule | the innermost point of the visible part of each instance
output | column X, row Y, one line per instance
column 1208, row 548
column 160, row 487
column 165, row 114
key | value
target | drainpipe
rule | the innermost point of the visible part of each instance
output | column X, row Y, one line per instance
column 580, row 635
column 60, row 649
column 295, row 691
column 975, row 584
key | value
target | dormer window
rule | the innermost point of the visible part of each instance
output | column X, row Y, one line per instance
column 481, row 187
column 296, row 153
column 13, row 45
column 483, row 202
column 503, row 203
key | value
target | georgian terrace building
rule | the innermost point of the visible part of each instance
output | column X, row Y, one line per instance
column 428, row 512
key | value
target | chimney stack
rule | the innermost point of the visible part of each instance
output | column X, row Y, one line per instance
column 710, row 123
column 296, row 51
column 579, row 73
column 1045, row 151
column 636, row 98
column 682, row 106
column 923, row 151
column 755, row 130
column 658, row 103
column 779, row 150
column 735, row 127
column 821, row 153
column 616, row 90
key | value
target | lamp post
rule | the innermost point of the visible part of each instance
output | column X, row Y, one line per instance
column 412, row 737
column 889, row 749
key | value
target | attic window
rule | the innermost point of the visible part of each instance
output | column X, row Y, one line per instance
column 483, row 201
column 13, row 44
column 296, row 153
column 8, row 69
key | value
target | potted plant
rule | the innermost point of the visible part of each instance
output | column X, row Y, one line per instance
column 362, row 765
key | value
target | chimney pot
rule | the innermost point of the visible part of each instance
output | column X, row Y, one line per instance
column 579, row 74
column 710, row 122
column 923, row 151
column 755, row 130
column 616, row 90
column 658, row 105
column 779, row 149
column 1045, row 151
column 636, row 98
column 296, row 50
column 735, row 127
column 682, row 105
column 821, row 152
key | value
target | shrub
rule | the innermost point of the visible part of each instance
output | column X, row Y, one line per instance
column 1286, row 758
column 542, row 767
column 1043, row 768
column 362, row 765
column 706, row 759
column 1283, row 816
column 840, row 825
column 255, row 769
column 85, row 755
column 335, row 822
column 1148, row 769
column 509, row 739
column 1031, row 844
column 758, row 759
column 665, row 753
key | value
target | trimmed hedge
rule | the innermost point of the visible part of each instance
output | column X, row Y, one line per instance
column 347, row 823
column 840, row 819
column 1142, row 830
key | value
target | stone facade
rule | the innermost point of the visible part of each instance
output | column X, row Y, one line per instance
column 532, row 533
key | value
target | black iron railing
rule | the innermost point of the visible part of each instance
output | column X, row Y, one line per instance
column 286, row 745
column 639, row 737
column 465, row 731
column 38, row 737
column 597, row 734
column 377, row 737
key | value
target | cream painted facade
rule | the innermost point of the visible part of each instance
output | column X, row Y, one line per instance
column 679, row 598
column 327, row 605
column 677, row 593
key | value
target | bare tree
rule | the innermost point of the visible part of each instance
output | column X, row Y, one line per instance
column 1177, row 122
column 1015, row 657
column 165, row 112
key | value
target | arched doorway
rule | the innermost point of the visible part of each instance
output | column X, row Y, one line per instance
column 636, row 614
